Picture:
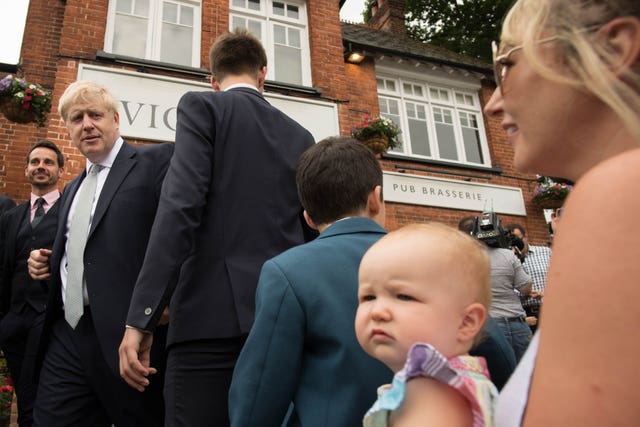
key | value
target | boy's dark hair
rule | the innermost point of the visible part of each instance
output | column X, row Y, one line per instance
column 335, row 177
column 237, row 52
column 514, row 226
column 50, row 145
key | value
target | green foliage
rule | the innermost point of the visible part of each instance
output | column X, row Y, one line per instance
column 377, row 126
column 462, row 26
column 27, row 96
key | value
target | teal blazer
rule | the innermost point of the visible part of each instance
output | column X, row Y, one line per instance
column 302, row 348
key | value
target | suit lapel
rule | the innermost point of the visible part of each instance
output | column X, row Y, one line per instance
column 124, row 162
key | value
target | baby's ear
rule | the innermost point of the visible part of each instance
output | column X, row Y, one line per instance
column 473, row 319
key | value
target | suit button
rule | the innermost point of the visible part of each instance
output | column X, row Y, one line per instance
column 147, row 311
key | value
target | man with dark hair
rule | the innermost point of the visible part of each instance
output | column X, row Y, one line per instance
column 23, row 300
column 535, row 261
column 228, row 204
column 302, row 349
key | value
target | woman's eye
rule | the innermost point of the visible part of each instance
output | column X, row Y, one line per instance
column 367, row 298
column 405, row 297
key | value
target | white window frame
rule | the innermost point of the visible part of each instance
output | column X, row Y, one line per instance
column 154, row 30
column 268, row 19
column 394, row 90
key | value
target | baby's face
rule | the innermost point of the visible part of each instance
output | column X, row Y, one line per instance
column 405, row 296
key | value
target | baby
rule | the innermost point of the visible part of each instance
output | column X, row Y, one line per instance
column 424, row 291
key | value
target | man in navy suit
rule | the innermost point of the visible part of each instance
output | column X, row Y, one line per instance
column 302, row 348
column 23, row 300
column 79, row 381
column 228, row 204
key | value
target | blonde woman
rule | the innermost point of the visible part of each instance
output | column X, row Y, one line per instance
column 569, row 97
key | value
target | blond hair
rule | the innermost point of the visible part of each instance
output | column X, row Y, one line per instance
column 85, row 91
column 573, row 23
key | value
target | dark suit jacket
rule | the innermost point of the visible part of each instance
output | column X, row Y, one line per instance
column 303, row 346
column 5, row 204
column 229, row 203
column 116, row 243
column 29, row 290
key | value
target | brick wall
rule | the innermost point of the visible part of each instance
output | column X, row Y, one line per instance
column 60, row 35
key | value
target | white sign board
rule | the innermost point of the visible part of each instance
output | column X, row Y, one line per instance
column 446, row 193
column 148, row 103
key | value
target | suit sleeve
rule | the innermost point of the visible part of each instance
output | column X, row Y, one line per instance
column 179, row 213
column 268, row 370
column 4, row 287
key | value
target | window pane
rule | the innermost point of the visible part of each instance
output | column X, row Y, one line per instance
column 292, row 11
column 130, row 36
column 279, row 34
column 186, row 16
column 294, row 37
column 238, row 3
column 418, row 90
column 124, row 6
column 278, row 8
column 256, row 28
column 380, row 83
column 288, row 63
column 446, row 141
column 254, row 4
column 141, row 8
column 419, row 137
column 176, row 44
column 391, row 85
column 237, row 22
column 471, row 137
column 390, row 108
column 170, row 13
column 407, row 88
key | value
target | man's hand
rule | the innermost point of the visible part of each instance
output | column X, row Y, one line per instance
column 135, row 350
column 38, row 264
column 531, row 320
column 536, row 294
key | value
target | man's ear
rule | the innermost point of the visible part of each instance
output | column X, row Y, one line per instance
column 374, row 201
column 309, row 221
column 473, row 320
column 215, row 84
column 262, row 76
column 623, row 41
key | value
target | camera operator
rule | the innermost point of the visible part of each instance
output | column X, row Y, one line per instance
column 535, row 263
column 507, row 276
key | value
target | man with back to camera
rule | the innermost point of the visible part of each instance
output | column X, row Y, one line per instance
column 23, row 300
column 106, row 214
column 536, row 263
column 507, row 276
column 494, row 347
column 228, row 204
column 302, row 348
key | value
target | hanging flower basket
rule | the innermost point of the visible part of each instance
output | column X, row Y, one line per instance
column 378, row 144
column 14, row 112
column 549, row 193
column 378, row 133
column 24, row 102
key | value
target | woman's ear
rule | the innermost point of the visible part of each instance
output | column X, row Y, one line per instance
column 473, row 319
column 623, row 42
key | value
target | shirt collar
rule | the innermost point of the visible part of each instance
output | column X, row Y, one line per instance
column 247, row 85
column 107, row 162
column 50, row 198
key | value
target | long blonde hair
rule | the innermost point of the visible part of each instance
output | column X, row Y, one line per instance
column 573, row 23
